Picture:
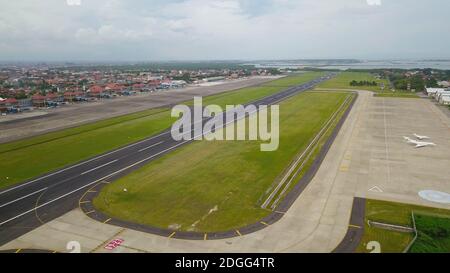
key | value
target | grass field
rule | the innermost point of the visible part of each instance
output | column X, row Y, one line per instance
column 396, row 214
column 433, row 234
column 342, row 81
column 307, row 161
column 296, row 79
column 397, row 94
column 216, row 186
column 28, row 158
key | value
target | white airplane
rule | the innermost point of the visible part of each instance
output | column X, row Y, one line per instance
column 419, row 144
column 421, row 137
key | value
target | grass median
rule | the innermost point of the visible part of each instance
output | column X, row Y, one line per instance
column 397, row 94
column 399, row 214
column 219, row 185
column 25, row 159
column 343, row 79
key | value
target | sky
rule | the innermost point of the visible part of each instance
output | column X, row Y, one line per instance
column 158, row 30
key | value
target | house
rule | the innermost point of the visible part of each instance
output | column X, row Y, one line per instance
column 3, row 108
column 138, row 87
column 52, row 97
column 38, row 100
column 71, row 96
column 154, row 83
column 11, row 102
column 95, row 91
column 114, row 88
column 25, row 103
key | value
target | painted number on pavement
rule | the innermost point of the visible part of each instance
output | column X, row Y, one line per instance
column 114, row 244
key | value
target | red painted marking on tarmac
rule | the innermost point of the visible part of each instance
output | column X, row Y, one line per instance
column 114, row 244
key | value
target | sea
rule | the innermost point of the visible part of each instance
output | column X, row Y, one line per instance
column 355, row 64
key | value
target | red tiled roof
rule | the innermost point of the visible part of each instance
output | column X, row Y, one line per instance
column 113, row 86
column 38, row 97
column 51, row 96
column 11, row 100
column 96, row 89
column 73, row 93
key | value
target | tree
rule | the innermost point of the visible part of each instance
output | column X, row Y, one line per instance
column 21, row 95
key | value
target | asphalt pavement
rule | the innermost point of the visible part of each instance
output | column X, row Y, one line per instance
column 27, row 206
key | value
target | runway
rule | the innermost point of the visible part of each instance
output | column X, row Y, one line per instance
column 25, row 125
column 33, row 203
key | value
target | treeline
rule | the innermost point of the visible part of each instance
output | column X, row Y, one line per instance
column 416, row 82
column 363, row 83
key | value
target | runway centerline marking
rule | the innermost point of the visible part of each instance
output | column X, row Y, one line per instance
column 23, row 197
column 82, row 163
column 99, row 167
column 92, row 183
column 151, row 146
column 300, row 88
column 286, row 95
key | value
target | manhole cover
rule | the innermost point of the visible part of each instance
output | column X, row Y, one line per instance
column 435, row 196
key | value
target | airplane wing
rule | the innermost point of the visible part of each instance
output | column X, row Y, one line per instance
column 420, row 145
column 421, row 137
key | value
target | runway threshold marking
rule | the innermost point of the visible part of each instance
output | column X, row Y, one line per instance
column 101, row 166
column 151, row 146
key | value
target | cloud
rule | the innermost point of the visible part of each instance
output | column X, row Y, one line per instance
column 222, row 29
column 73, row 2
column 374, row 2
